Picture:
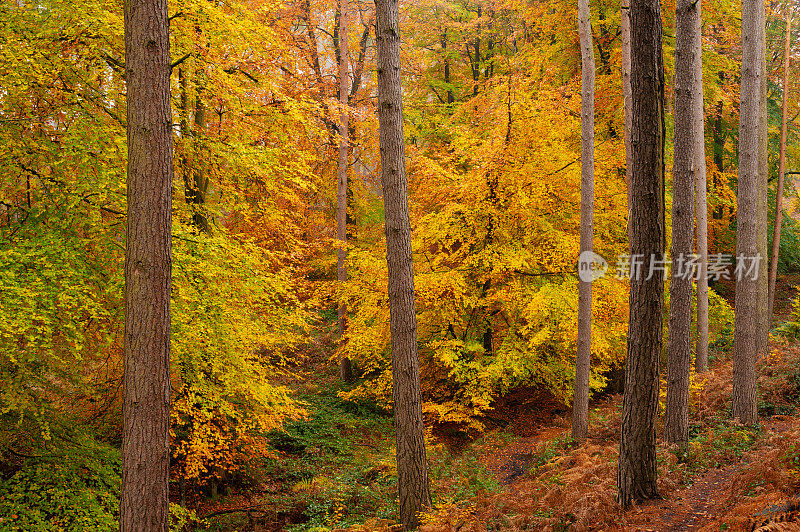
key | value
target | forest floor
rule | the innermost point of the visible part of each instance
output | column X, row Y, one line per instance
column 335, row 470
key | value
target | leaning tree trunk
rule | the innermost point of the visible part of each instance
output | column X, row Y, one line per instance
column 747, row 341
column 676, row 418
column 776, row 235
column 412, row 472
column 345, row 368
column 146, row 391
column 636, row 475
column 701, row 351
column 580, row 407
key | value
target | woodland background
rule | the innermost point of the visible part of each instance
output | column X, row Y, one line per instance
column 492, row 108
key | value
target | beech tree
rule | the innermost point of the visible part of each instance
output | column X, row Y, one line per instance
column 345, row 368
column 580, row 412
column 676, row 419
column 636, row 474
column 747, row 341
column 776, row 235
column 699, row 142
column 146, row 387
column 627, row 102
column 412, row 471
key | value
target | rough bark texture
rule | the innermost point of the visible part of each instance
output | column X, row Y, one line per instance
column 763, row 183
column 345, row 368
column 412, row 469
column 776, row 235
column 636, row 475
column 145, row 437
column 746, row 327
column 580, row 407
column 701, row 351
column 627, row 98
column 676, row 418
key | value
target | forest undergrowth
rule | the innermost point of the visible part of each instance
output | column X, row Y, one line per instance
column 335, row 469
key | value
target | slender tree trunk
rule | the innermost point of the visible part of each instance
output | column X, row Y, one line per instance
column 580, row 408
column 197, row 187
column 345, row 368
column 636, row 475
column 146, row 391
column 446, row 60
column 412, row 471
column 195, row 182
column 701, row 351
column 763, row 201
column 627, row 99
column 676, row 419
column 746, row 328
column 776, row 235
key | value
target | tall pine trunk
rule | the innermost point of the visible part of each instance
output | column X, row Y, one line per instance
column 747, row 341
column 146, row 391
column 412, row 471
column 580, row 407
column 636, row 474
column 676, row 419
column 776, row 235
column 763, row 201
column 701, row 351
column 345, row 368
column 627, row 99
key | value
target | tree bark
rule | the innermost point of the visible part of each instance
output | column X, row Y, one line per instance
column 776, row 235
column 345, row 367
column 627, row 99
column 701, row 351
column 676, row 419
column 412, row 469
column 636, row 475
column 196, row 187
column 763, row 201
column 580, row 407
column 146, row 391
column 746, row 327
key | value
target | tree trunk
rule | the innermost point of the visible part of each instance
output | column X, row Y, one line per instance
column 701, row 354
column 676, row 419
column 636, row 475
column 146, row 390
column 345, row 368
column 195, row 182
column 763, row 202
column 197, row 186
column 627, row 99
column 776, row 235
column 580, row 407
column 412, row 471
column 446, row 60
column 746, row 328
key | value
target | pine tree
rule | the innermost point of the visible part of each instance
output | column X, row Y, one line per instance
column 676, row 419
column 636, row 475
column 146, row 387
column 580, row 413
column 412, row 472
column 747, row 340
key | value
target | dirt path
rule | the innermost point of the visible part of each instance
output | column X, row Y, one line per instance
column 690, row 508
column 699, row 505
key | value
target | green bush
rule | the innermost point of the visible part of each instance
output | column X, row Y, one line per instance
column 76, row 489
